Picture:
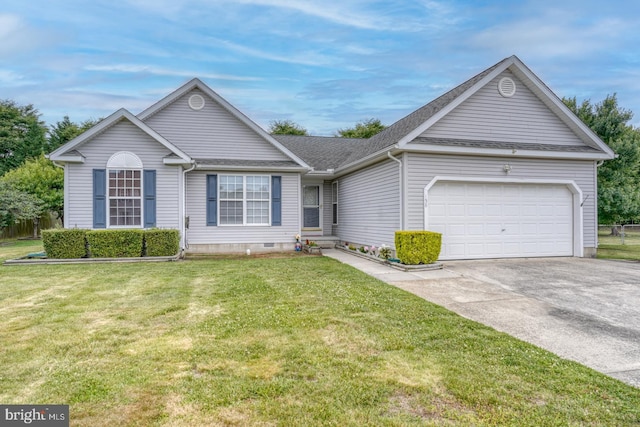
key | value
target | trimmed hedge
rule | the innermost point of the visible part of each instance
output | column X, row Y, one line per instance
column 124, row 243
column 65, row 243
column 161, row 242
column 418, row 247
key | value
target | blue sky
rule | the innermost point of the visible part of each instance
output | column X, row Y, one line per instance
column 323, row 64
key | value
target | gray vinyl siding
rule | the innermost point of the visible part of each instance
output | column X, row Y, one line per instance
column 489, row 116
column 211, row 132
column 122, row 136
column 327, row 207
column 422, row 168
column 369, row 205
column 200, row 233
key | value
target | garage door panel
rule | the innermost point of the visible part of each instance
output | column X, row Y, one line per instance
column 491, row 220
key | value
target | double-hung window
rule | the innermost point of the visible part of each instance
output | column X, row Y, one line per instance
column 125, row 197
column 244, row 200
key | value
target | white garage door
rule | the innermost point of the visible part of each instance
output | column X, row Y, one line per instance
column 489, row 220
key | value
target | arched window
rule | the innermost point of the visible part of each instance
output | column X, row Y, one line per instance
column 125, row 190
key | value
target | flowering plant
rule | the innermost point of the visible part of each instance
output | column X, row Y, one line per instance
column 385, row 252
column 297, row 237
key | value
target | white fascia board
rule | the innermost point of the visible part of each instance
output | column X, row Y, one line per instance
column 507, row 152
column 453, row 104
column 367, row 160
column 249, row 168
column 176, row 162
column 68, row 159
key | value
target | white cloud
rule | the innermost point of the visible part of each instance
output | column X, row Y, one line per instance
column 146, row 69
column 307, row 58
column 550, row 36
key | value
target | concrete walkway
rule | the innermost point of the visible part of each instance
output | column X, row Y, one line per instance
column 580, row 309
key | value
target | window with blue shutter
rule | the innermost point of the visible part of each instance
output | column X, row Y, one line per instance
column 276, row 200
column 99, row 198
column 212, row 199
column 149, row 188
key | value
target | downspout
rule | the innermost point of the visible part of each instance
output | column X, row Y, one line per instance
column 400, row 208
column 185, row 243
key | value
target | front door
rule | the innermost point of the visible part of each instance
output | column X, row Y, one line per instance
column 311, row 204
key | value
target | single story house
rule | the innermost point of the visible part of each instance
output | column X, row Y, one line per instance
column 498, row 165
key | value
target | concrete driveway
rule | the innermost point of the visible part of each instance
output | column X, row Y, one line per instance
column 585, row 310
column 581, row 309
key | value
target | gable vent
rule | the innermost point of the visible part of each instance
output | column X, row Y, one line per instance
column 507, row 87
column 196, row 102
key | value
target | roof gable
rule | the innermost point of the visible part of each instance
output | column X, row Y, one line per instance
column 522, row 117
column 214, row 129
column 412, row 126
column 534, row 86
column 68, row 152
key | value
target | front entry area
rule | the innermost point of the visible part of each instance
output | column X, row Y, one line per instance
column 501, row 220
column 312, row 207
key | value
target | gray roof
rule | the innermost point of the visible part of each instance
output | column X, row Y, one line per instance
column 331, row 153
column 320, row 152
column 334, row 153
column 504, row 145
column 394, row 133
column 275, row 164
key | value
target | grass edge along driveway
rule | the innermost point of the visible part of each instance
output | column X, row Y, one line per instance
column 274, row 341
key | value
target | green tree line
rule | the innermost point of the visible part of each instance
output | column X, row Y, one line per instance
column 30, row 184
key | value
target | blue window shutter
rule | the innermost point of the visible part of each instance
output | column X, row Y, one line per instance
column 149, row 185
column 99, row 198
column 276, row 200
column 212, row 199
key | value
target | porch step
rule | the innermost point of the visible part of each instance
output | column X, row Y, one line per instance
column 325, row 242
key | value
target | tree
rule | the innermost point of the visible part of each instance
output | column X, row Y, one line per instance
column 286, row 127
column 364, row 129
column 65, row 130
column 618, row 193
column 22, row 134
column 41, row 179
column 16, row 206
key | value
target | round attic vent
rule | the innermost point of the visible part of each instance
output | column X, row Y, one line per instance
column 507, row 87
column 196, row 102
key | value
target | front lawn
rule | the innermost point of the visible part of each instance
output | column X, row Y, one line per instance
column 611, row 247
column 292, row 341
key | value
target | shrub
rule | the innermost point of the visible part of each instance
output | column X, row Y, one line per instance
column 158, row 242
column 418, row 247
column 65, row 243
column 115, row 243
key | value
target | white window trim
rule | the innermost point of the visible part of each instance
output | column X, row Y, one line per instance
column 141, row 198
column 244, row 201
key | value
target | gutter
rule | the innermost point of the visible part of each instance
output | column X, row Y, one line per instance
column 371, row 158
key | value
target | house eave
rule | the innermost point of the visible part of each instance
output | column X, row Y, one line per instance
column 366, row 161
column 66, row 159
column 509, row 152
column 249, row 168
column 177, row 162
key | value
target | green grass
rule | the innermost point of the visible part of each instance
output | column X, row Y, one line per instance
column 291, row 341
column 611, row 247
